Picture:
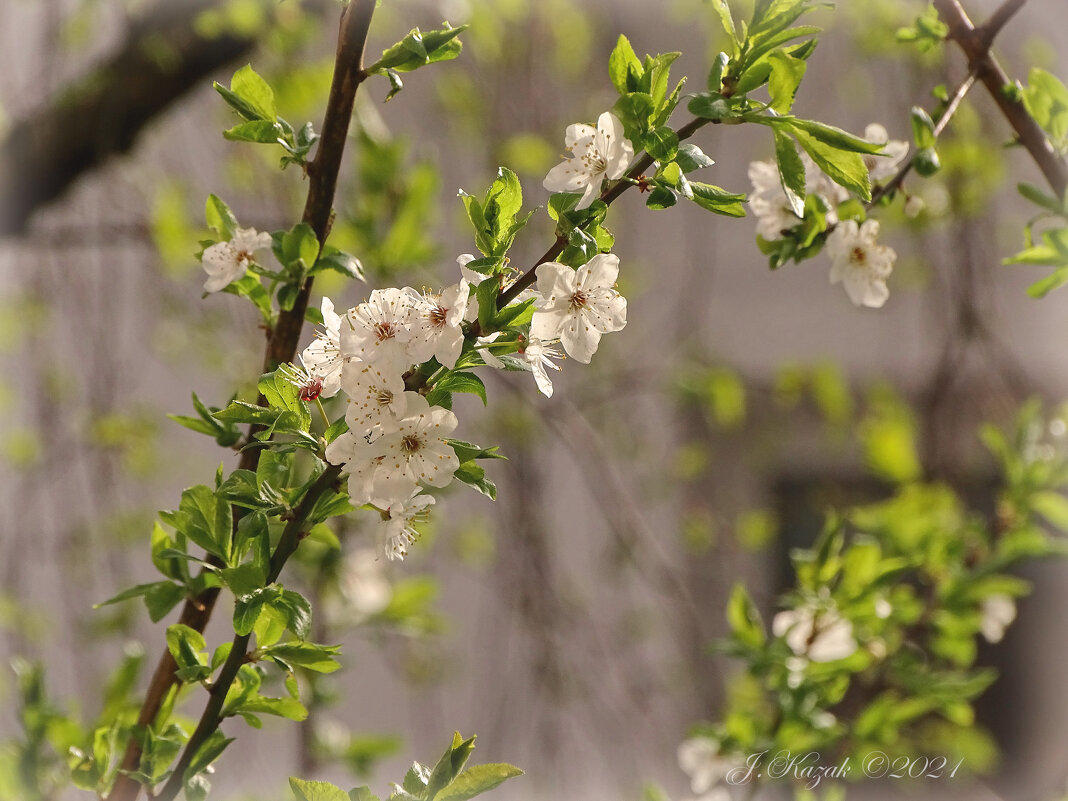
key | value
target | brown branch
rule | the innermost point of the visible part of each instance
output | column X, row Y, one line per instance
column 282, row 340
column 103, row 113
column 975, row 43
column 212, row 715
column 951, row 108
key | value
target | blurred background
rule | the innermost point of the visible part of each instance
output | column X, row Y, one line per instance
column 567, row 624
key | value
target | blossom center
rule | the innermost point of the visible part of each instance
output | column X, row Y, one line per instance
column 384, row 331
column 438, row 316
column 384, row 397
column 859, row 256
column 410, row 444
column 579, row 300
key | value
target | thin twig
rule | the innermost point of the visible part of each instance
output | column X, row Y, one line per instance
column 895, row 183
column 282, row 340
column 975, row 42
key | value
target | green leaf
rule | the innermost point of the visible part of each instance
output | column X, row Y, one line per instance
column 923, row 128
column 247, row 609
column 260, row 131
column 219, row 217
column 835, row 137
column 310, row 656
column 711, row 106
column 1040, row 198
column 786, row 75
column 791, row 171
column 474, row 476
column 162, row 598
column 250, row 87
column 691, row 157
column 362, row 794
column 624, row 68
column 244, row 579
column 845, row 168
column 723, row 11
column 718, row 200
column 297, row 610
column 186, row 646
column 462, row 382
column 299, row 248
column 1056, row 280
column 449, row 766
column 208, row 752
column 418, row 49
column 477, row 780
column 661, row 198
column 662, row 144
column 316, row 791
column 744, row 619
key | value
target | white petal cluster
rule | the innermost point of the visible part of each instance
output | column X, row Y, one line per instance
column 998, row 611
column 820, row 635
column 396, row 443
column 700, row 759
column 226, row 262
column 880, row 168
column 860, row 263
column 593, row 154
column 578, row 306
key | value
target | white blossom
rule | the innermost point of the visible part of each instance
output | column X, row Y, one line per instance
column 436, row 325
column 378, row 330
column 387, row 469
column 914, row 206
column 322, row 357
column 578, row 306
column 998, row 611
column 860, row 263
column 819, row 635
column 397, row 528
column 880, row 168
column 226, row 262
column 700, row 759
column 376, row 396
column 363, row 586
column 768, row 201
column 538, row 355
column 593, row 154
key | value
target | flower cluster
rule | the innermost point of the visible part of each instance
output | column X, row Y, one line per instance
column 226, row 262
column 397, row 444
column 858, row 262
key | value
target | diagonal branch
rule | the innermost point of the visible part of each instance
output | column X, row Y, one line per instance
column 282, row 340
column 975, row 42
column 103, row 113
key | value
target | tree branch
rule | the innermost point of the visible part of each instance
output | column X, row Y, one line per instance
column 282, row 341
column 212, row 715
column 102, row 114
column 975, row 42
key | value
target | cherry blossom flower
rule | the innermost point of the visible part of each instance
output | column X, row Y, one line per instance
column 363, row 587
column 538, row 355
column 378, row 330
column 860, row 263
column 768, row 201
column 821, row 636
column 880, row 168
column 437, row 330
column 700, row 759
column 376, row 396
column 397, row 531
column 322, row 357
column 387, row 469
column 226, row 262
column 998, row 611
column 593, row 154
column 578, row 306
